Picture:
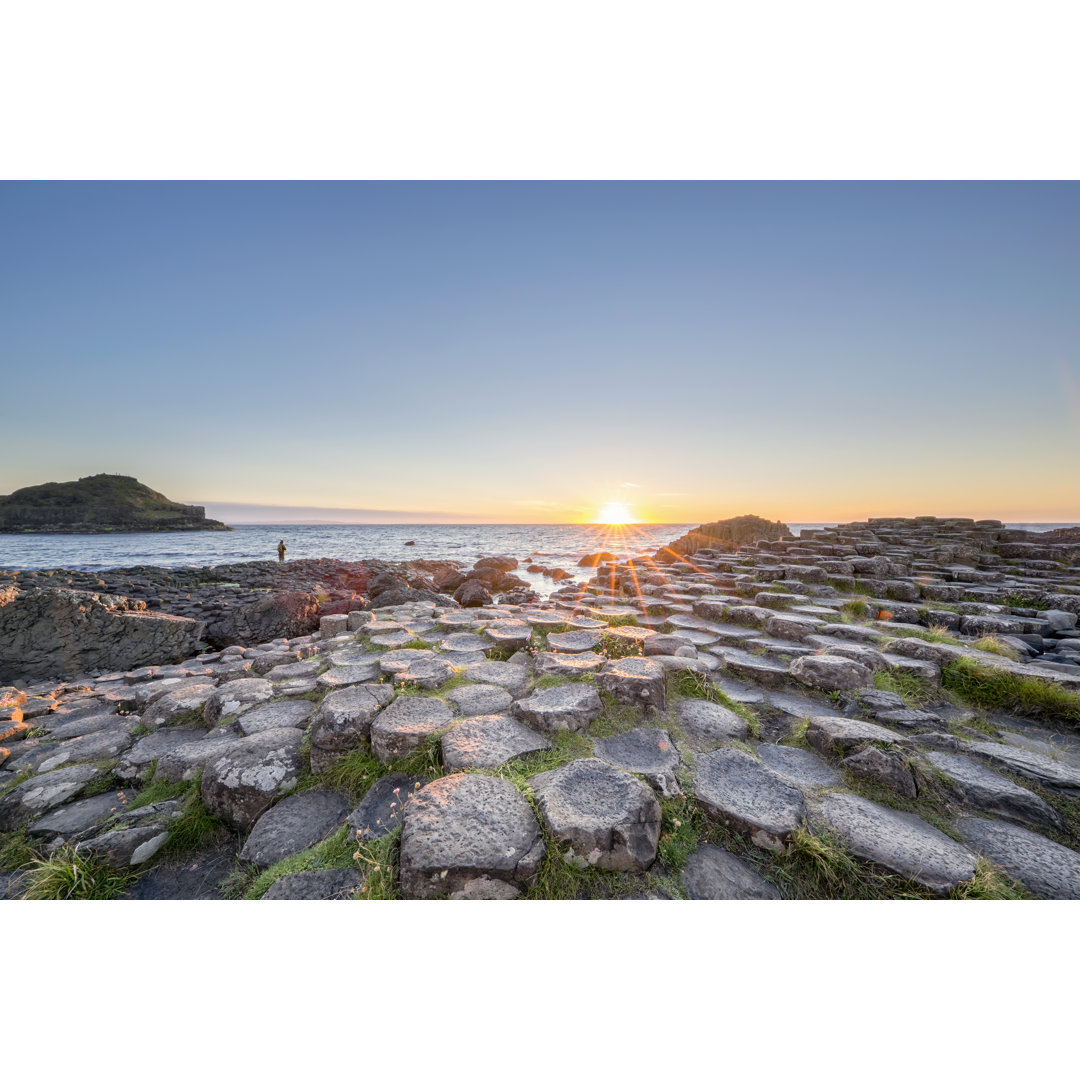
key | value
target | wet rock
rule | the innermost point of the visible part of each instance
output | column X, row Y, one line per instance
column 1046, row 869
column 635, row 680
column 900, row 842
column 241, row 783
column 610, row 819
column 466, row 827
column 734, row 787
column 647, row 752
column 559, row 708
column 294, row 824
column 403, row 726
column 486, row 742
column 316, row 885
column 712, row 873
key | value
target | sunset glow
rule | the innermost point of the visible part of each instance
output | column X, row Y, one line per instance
column 614, row 513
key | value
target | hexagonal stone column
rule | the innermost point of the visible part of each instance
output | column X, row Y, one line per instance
column 609, row 818
column 243, row 781
column 486, row 742
column 831, row 673
column 636, row 681
column 734, row 787
column 647, row 752
column 559, row 708
column 343, row 722
column 466, row 830
column 403, row 726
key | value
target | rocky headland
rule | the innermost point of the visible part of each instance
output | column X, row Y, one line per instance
column 887, row 709
column 98, row 504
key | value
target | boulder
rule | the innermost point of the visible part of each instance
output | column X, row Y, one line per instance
column 609, row 818
column 466, row 827
column 472, row 594
column 61, row 633
column 837, row 734
column 242, row 782
column 889, row 768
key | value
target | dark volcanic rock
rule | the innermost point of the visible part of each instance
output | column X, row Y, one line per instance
column 279, row 615
column 55, row 632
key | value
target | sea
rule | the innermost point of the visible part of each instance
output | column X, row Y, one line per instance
column 550, row 545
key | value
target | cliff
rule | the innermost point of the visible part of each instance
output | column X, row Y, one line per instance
column 98, row 504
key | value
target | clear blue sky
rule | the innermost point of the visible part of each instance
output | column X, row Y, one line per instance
column 527, row 352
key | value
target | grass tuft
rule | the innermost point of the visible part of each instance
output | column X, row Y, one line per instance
column 378, row 861
column 16, row 852
column 354, row 773
column 991, row 643
column 68, row 875
column 333, row 853
column 992, row 688
column 990, row 883
column 915, row 693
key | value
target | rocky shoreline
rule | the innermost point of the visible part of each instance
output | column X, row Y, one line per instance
column 880, row 710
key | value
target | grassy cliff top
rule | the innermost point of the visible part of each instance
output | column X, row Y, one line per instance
column 101, row 490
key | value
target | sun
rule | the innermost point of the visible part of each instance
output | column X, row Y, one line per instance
column 614, row 513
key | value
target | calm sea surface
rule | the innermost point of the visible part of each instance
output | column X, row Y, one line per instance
column 551, row 545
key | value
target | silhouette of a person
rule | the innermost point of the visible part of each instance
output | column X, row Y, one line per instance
column 281, row 549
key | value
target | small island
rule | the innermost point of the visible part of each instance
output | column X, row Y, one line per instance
column 99, row 504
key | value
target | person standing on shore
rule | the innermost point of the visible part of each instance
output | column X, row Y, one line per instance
column 281, row 549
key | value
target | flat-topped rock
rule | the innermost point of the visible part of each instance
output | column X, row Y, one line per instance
column 316, row 885
column 184, row 703
column 800, row 767
column 635, row 680
column 137, row 763
column 571, row 665
column 706, row 725
column 574, row 641
column 343, row 720
column 404, row 725
column 712, row 873
column 479, row 699
column 466, row 828
column 509, row 633
column 732, row 786
column 235, row 697
column 486, row 742
column 242, row 782
column 39, row 794
column 831, row 672
column 762, row 669
column 898, row 841
column 983, row 789
column 348, row 675
column 1045, row 869
column 510, row 677
column 832, row 735
column 382, row 809
column 107, row 744
column 559, row 708
column 276, row 714
column 1055, row 775
column 399, row 660
column 78, row 819
column 609, row 818
column 647, row 752
column 294, row 824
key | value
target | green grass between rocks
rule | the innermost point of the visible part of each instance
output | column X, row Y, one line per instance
column 68, row 875
column 992, row 688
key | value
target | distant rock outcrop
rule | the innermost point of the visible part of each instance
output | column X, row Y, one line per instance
column 61, row 632
column 727, row 534
column 98, row 504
